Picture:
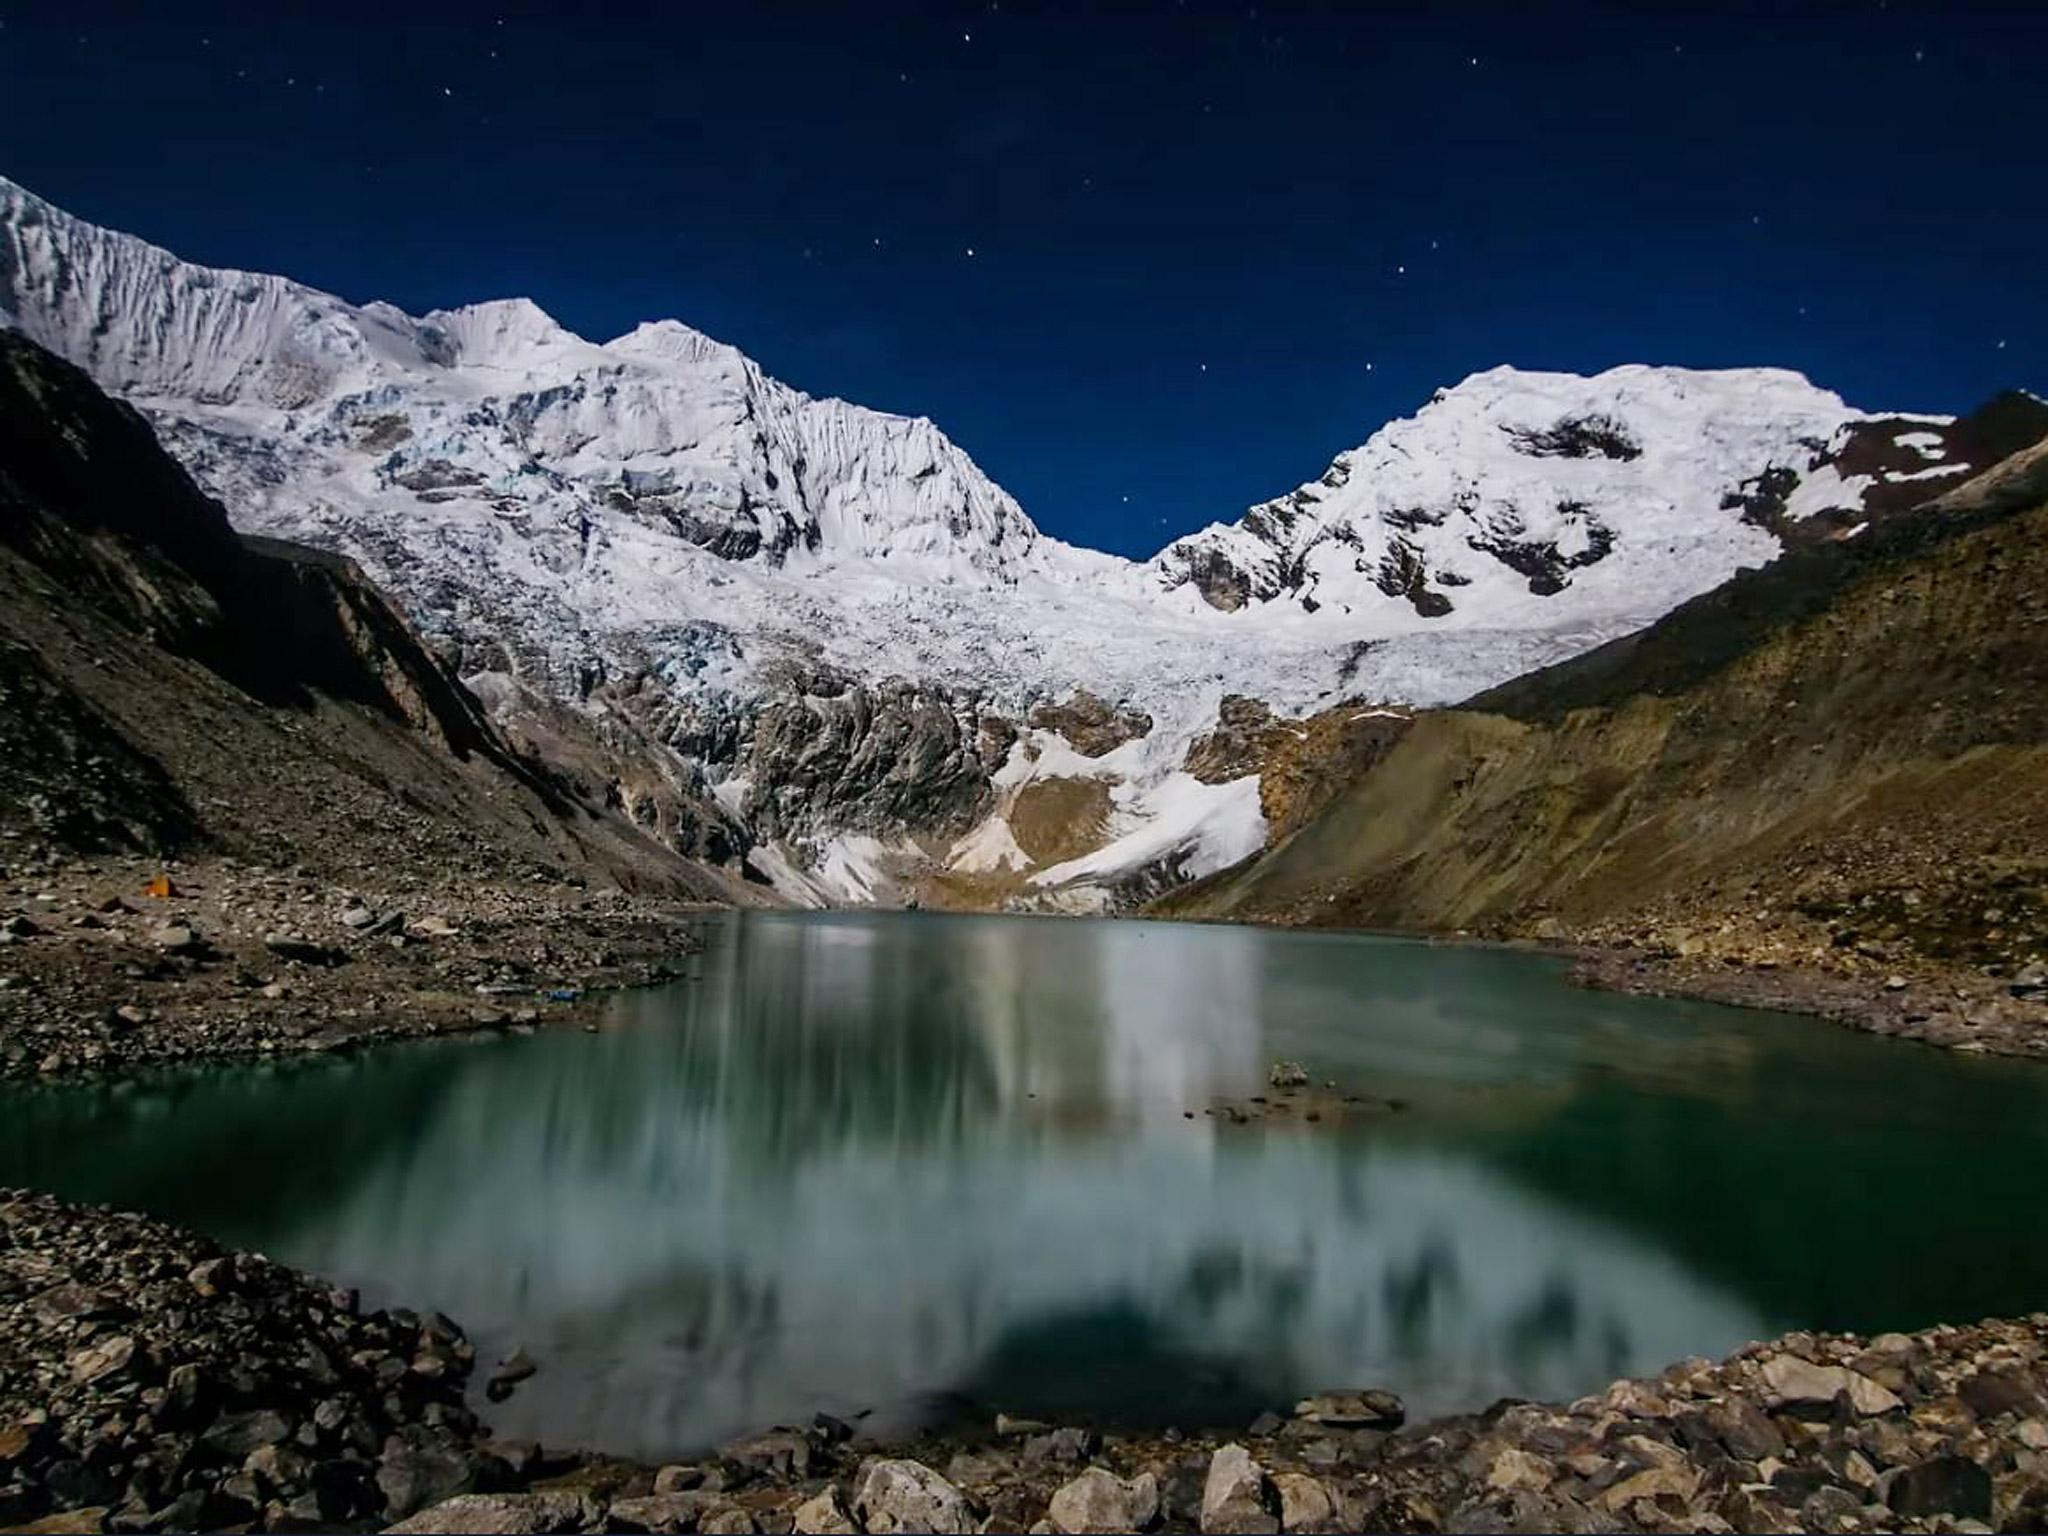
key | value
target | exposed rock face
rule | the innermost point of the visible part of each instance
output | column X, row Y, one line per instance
column 825, row 751
column 1091, row 726
column 1302, row 764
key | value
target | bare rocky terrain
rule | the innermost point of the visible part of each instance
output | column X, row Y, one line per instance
column 110, row 964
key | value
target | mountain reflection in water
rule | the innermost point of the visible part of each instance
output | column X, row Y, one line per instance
column 925, row 1164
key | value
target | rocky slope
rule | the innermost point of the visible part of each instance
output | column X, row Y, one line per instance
column 1835, row 769
column 806, row 639
column 242, row 809
column 151, row 1381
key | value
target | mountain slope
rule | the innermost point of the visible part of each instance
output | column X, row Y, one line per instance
column 1840, row 761
column 167, row 686
column 806, row 637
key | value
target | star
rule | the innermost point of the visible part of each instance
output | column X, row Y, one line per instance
column 446, row 92
column 1205, row 366
column 1368, row 367
column 966, row 37
column 1475, row 62
column 970, row 250
column 1400, row 271
column 2001, row 345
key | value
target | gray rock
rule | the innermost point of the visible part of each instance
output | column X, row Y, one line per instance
column 1288, row 1074
column 678, row 1479
column 174, row 939
column 776, row 1453
column 1305, row 1504
column 896, row 1495
column 1067, row 1443
column 238, row 1434
column 1236, row 1498
column 419, row 1469
column 1099, row 1501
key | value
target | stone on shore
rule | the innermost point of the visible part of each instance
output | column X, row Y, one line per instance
column 1101, row 1502
column 1237, row 1500
column 823, row 1516
column 1793, row 1382
column 895, row 1495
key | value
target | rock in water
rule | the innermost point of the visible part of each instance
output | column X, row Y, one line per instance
column 1236, row 1497
column 1099, row 1501
column 1288, row 1074
column 909, row 1497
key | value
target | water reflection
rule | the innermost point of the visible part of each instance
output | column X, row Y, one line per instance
column 898, row 1162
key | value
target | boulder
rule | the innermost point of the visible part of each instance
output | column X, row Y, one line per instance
column 776, row 1453
column 174, row 939
column 823, row 1516
column 1653, row 1483
column 488, row 1514
column 1236, row 1498
column 1516, row 1468
column 419, row 1469
column 897, row 1495
column 1793, row 1382
column 1288, row 1074
column 1099, row 1501
column 1305, row 1504
column 1942, row 1485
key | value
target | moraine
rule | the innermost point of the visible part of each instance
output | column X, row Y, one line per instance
column 939, row 1166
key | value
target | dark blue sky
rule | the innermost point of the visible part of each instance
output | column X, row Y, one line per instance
column 1193, row 227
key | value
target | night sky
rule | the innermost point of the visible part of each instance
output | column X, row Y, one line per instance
column 1147, row 262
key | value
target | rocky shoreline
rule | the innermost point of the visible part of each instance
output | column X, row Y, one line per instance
column 114, row 964
column 153, row 1381
column 1955, row 1008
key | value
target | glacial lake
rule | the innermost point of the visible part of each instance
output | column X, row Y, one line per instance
column 928, row 1166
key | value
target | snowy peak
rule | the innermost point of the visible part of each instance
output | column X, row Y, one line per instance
column 499, row 404
column 1514, row 486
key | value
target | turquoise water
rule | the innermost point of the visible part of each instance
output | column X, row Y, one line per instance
column 926, row 1165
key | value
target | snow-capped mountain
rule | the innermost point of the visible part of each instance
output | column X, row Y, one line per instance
column 831, row 622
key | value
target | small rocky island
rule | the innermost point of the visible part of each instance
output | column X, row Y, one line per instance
column 151, row 1380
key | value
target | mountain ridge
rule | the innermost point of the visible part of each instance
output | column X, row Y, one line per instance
column 758, row 596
